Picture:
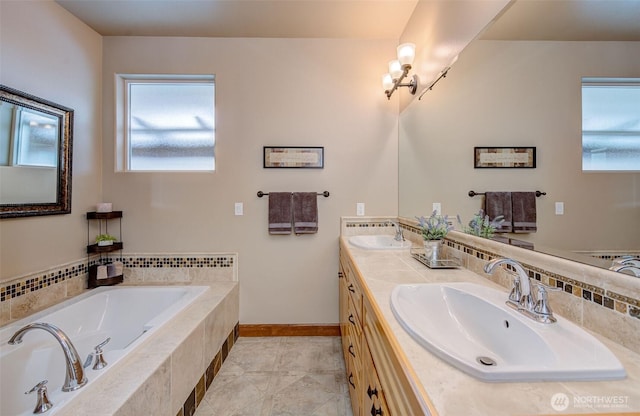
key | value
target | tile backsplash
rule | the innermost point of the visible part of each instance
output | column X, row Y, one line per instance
column 27, row 294
column 600, row 300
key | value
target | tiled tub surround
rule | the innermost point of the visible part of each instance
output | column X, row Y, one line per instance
column 168, row 374
column 31, row 293
column 453, row 392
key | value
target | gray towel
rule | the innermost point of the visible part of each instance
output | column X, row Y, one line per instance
column 279, row 212
column 305, row 212
column 496, row 204
column 524, row 212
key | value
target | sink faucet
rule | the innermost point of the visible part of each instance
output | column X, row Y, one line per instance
column 75, row 374
column 626, row 266
column 521, row 298
column 399, row 235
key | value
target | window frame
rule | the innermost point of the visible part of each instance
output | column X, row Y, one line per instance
column 610, row 82
column 122, row 149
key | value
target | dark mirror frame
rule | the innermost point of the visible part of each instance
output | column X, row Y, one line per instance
column 65, row 154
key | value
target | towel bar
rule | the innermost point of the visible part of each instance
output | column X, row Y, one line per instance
column 474, row 193
column 324, row 194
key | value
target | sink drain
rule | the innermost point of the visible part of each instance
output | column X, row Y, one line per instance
column 486, row 361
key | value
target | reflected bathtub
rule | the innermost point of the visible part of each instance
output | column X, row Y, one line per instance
column 127, row 315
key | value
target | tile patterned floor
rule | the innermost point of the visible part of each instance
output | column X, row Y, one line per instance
column 280, row 376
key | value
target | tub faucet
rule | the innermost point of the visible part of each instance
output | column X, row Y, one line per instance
column 399, row 235
column 626, row 266
column 521, row 297
column 75, row 374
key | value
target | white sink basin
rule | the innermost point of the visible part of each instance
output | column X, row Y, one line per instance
column 470, row 327
column 378, row 242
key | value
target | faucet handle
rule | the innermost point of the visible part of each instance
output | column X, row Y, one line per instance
column 100, row 361
column 542, row 308
column 516, row 290
column 43, row 403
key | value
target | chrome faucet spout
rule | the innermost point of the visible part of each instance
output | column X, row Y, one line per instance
column 523, row 278
column 399, row 234
column 75, row 377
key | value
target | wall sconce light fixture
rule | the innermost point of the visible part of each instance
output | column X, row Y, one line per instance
column 399, row 70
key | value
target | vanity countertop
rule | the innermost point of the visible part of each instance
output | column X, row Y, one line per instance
column 453, row 392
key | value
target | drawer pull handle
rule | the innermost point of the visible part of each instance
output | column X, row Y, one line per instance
column 351, row 319
column 351, row 351
column 372, row 392
column 375, row 412
column 351, row 380
column 351, row 288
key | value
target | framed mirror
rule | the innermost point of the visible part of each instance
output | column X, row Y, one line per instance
column 36, row 137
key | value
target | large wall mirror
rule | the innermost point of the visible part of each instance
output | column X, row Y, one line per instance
column 36, row 139
column 519, row 85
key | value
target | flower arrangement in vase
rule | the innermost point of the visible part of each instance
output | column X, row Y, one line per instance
column 434, row 229
column 481, row 226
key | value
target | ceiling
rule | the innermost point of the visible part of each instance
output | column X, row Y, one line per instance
column 615, row 20
column 362, row 19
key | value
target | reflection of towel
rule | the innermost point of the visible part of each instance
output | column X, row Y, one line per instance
column 496, row 204
column 305, row 212
column 279, row 212
column 524, row 212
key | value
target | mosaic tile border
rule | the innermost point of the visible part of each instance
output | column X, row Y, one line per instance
column 605, row 298
column 197, row 394
column 79, row 269
column 599, row 296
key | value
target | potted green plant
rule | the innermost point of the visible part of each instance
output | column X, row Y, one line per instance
column 481, row 226
column 434, row 229
column 105, row 240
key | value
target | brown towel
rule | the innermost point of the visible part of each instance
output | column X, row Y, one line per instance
column 496, row 204
column 524, row 212
column 305, row 212
column 279, row 212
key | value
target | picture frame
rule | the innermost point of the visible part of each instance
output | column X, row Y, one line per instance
column 504, row 157
column 291, row 157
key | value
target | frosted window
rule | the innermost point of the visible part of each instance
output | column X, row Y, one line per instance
column 37, row 139
column 170, row 125
column 610, row 124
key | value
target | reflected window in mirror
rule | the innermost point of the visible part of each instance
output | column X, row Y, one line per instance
column 36, row 137
column 610, row 124
column 167, row 123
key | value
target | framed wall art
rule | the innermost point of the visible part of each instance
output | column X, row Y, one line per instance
column 504, row 157
column 293, row 157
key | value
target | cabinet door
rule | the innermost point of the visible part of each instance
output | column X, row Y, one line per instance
column 374, row 403
column 400, row 396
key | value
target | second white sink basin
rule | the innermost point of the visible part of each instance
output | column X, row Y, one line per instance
column 470, row 327
column 378, row 242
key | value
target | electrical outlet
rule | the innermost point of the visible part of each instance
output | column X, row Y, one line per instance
column 360, row 209
column 239, row 208
column 559, row 208
column 437, row 207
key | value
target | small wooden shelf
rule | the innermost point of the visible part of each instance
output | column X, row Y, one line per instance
column 93, row 282
column 95, row 248
column 104, row 215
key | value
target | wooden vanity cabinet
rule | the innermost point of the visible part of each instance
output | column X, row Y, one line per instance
column 378, row 384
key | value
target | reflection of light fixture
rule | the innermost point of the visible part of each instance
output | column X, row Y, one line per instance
column 399, row 69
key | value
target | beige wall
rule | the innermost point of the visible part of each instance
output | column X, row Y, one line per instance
column 268, row 92
column 521, row 94
column 48, row 53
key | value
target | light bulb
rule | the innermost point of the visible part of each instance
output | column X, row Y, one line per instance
column 387, row 82
column 406, row 53
column 395, row 69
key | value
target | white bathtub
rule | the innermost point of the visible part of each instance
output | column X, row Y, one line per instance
column 128, row 315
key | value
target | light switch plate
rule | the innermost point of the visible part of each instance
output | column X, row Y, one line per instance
column 360, row 209
column 559, row 208
column 437, row 207
column 239, row 208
